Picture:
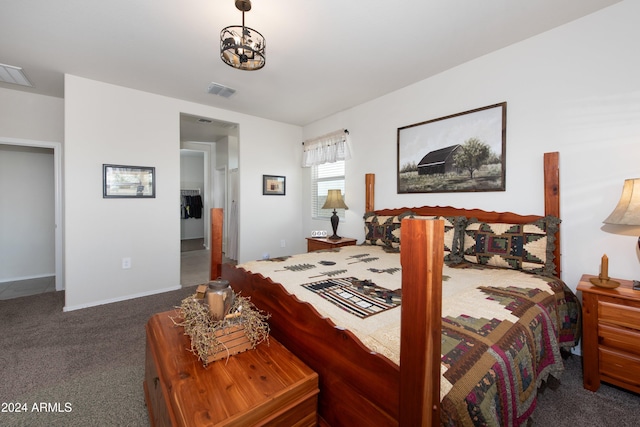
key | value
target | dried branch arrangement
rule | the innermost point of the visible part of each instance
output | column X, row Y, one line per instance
column 211, row 338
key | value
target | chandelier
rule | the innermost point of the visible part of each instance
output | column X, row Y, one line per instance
column 242, row 47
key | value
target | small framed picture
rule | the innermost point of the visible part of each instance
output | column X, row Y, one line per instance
column 119, row 181
column 273, row 185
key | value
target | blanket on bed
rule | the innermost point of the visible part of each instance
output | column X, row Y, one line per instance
column 362, row 298
column 501, row 334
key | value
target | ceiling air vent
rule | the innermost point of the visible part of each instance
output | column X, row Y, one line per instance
column 223, row 91
column 14, row 75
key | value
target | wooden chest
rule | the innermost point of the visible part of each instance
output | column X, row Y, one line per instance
column 611, row 335
column 266, row 386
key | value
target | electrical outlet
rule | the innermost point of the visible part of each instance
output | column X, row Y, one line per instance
column 126, row 263
column 283, row 243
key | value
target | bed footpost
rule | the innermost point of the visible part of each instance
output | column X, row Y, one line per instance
column 421, row 256
column 216, row 243
column 552, row 197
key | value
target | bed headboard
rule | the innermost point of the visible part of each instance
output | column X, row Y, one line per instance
column 551, row 202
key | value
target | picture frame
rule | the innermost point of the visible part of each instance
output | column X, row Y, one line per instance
column 274, row 185
column 463, row 152
column 133, row 182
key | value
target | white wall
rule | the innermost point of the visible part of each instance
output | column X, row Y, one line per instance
column 27, row 213
column 265, row 221
column 110, row 124
column 28, row 116
column 574, row 89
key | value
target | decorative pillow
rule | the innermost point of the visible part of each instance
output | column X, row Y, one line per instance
column 453, row 229
column 527, row 247
column 383, row 230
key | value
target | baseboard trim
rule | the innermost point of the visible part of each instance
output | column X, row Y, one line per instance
column 119, row 299
column 18, row 279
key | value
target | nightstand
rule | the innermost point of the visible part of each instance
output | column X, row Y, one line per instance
column 319, row 243
column 610, row 335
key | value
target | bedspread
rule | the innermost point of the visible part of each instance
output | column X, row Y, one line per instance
column 502, row 330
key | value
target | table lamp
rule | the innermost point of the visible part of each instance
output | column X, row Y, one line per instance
column 627, row 212
column 334, row 201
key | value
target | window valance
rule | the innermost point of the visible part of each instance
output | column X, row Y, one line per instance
column 327, row 148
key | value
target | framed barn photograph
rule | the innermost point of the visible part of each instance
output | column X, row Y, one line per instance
column 457, row 153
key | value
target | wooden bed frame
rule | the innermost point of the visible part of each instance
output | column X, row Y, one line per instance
column 357, row 386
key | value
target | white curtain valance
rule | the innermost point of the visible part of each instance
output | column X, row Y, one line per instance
column 327, row 148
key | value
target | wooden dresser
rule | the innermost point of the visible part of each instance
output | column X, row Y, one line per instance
column 610, row 335
column 266, row 386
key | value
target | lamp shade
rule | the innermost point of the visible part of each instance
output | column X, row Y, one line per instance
column 627, row 212
column 334, row 200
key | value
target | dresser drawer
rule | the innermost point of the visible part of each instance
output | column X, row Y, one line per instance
column 610, row 335
column 620, row 366
column 320, row 243
column 619, row 312
column 619, row 338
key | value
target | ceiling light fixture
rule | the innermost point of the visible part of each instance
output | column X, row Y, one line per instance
column 242, row 47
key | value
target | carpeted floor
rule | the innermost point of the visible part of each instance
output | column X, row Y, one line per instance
column 86, row 367
column 570, row 405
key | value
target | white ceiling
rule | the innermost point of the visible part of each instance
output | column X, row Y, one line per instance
column 323, row 56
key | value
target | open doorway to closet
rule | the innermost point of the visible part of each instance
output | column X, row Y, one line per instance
column 208, row 167
column 31, row 216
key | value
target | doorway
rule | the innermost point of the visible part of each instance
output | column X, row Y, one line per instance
column 54, row 249
column 194, row 253
column 217, row 143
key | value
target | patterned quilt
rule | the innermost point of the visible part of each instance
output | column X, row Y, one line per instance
column 502, row 330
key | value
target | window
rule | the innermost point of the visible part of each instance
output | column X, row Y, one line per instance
column 324, row 177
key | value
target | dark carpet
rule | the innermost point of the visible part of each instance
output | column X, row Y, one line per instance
column 86, row 368
column 80, row 368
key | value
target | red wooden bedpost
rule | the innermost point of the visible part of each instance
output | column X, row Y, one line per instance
column 552, row 196
column 369, row 185
column 216, row 243
column 421, row 256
